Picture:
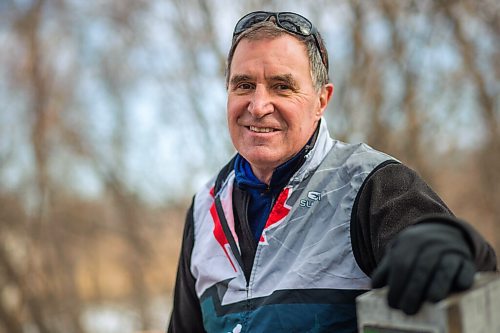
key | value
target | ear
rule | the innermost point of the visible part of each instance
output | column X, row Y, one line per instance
column 325, row 95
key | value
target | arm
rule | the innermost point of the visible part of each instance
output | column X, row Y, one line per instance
column 434, row 246
column 394, row 197
column 186, row 313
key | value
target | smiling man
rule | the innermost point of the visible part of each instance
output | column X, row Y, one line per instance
column 273, row 106
column 297, row 224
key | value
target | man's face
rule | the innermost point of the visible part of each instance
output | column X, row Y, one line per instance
column 273, row 107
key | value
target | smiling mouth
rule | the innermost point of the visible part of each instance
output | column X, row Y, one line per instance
column 261, row 129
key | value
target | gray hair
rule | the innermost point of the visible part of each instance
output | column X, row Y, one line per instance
column 269, row 30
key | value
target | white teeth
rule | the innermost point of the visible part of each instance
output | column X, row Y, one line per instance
column 261, row 129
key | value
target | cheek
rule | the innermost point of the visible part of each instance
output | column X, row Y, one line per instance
column 233, row 107
column 301, row 125
column 230, row 114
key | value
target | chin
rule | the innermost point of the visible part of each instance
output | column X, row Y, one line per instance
column 261, row 159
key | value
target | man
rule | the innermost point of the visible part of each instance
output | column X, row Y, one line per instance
column 289, row 232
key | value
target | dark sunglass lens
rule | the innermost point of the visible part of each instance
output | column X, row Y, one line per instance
column 249, row 20
column 287, row 25
column 295, row 23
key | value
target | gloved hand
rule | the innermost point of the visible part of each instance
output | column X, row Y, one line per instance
column 424, row 262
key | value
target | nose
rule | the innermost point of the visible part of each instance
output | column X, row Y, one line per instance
column 260, row 103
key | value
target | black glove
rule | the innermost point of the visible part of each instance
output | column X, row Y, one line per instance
column 424, row 262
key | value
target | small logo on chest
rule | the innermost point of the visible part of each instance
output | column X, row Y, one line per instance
column 312, row 197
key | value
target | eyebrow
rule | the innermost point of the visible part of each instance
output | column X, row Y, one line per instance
column 239, row 78
column 286, row 78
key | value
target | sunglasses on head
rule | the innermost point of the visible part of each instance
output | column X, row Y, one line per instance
column 291, row 22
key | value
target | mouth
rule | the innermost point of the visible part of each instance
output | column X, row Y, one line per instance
column 261, row 129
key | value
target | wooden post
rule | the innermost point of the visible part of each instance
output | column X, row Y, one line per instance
column 476, row 310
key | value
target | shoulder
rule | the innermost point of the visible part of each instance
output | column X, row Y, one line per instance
column 204, row 197
column 357, row 160
column 223, row 174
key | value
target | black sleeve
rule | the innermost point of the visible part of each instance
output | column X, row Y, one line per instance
column 394, row 197
column 186, row 313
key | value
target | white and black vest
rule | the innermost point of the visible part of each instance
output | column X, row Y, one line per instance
column 304, row 277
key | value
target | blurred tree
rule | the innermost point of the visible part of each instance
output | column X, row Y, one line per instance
column 112, row 110
column 484, row 74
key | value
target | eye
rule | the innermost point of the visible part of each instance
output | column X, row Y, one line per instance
column 244, row 86
column 282, row 86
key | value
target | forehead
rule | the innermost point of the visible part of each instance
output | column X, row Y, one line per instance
column 283, row 52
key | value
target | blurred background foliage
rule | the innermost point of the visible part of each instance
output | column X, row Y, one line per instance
column 112, row 113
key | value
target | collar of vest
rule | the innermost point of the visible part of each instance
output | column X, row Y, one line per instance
column 311, row 156
column 246, row 179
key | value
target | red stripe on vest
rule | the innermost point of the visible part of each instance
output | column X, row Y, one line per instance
column 219, row 234
column 278, row 213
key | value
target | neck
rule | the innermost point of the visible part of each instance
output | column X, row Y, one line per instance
column 263, row 174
